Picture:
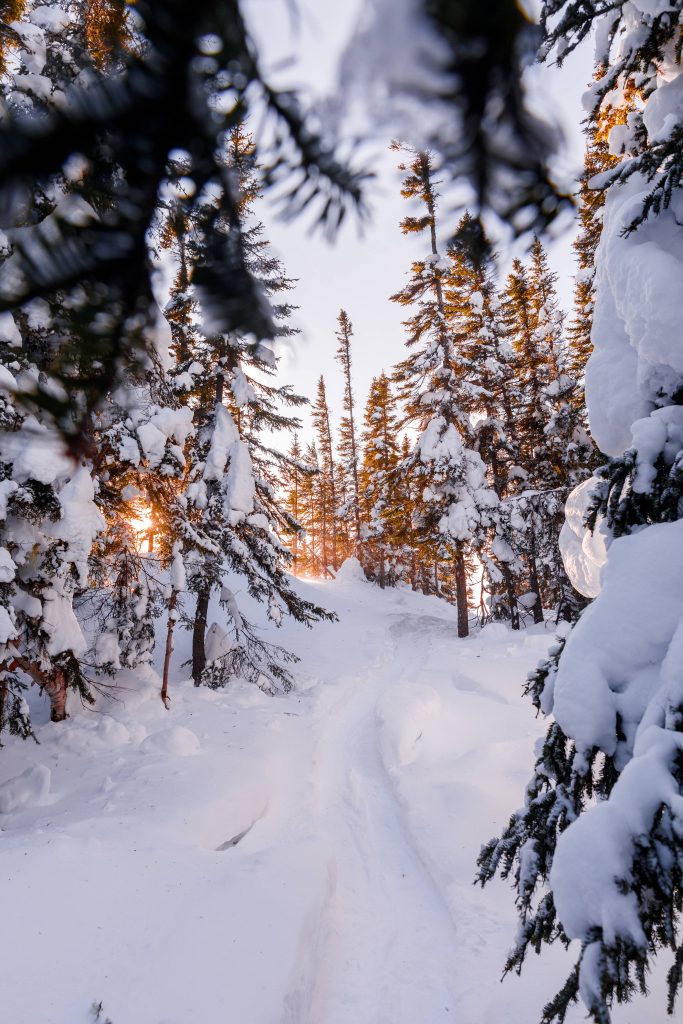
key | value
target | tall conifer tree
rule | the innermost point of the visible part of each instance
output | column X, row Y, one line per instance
column 348, row 441
column 457, row 501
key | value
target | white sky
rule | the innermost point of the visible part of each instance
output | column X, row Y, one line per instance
column 361, row 270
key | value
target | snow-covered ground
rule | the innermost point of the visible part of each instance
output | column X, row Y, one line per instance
column 306, row 859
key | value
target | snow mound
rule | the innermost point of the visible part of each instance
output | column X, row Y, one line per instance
column 583, row 553
column 25, row 790
column 176, row 740
column 351, row 571
column 403, row 723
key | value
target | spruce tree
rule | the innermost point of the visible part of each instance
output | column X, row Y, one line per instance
column 552, row 448
column 230, row 516
column 383, row 511
column 347, row 447
column 595, row 853
column 152, row 94
column 330, row 527
column 485, row 364
column 457, row 501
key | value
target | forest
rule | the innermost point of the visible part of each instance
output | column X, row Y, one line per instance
column 272, row 673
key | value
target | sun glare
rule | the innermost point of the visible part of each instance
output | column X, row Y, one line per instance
column 142, row 524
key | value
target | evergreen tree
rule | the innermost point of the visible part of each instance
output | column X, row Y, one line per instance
column 485, row 363
column 152, row 93
column 328, row 493
column 49, row 516
column 348, row 444
column 383, row 511
column 292, row 482
column 552, row 447
column 230, row 518
column 457, row 501
column 595, row 853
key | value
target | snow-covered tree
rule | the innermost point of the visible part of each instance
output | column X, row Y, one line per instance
column 229, row 515
column 347, row 447
column 552, row 449
column 456, row 499
column 332, row 538
column 596, row 851
column 382, row 509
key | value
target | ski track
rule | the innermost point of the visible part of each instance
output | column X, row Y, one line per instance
column 381, row 947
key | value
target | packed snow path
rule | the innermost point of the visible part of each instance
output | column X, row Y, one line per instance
column 389, row 950
column 297, row 860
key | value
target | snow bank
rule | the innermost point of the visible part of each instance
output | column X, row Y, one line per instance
column 176, row 740
column 26, row 790
column 351, row 571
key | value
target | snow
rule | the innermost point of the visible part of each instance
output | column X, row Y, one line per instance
column 9, row 333
column 26, row 790
column 60, row 622
column 225, row 434
column 351, row 571
column 218, row 643
column 610, row 663
column 617, row 686
column 176, row 740
column 637, row 359
column 178, row 575
column 35, row 453
column 8, row 629
column 7, row 566
column 583, row 553
column 306, row 858
column 80, row 521
column 162, row 426
column 240, row 488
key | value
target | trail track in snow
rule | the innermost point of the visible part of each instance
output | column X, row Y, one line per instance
column 384, row 942
column 306, row 859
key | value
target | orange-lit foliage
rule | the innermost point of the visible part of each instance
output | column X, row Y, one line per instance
column 11, row 10
column 107, row 32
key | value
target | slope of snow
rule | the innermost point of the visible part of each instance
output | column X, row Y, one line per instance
column 305, row 859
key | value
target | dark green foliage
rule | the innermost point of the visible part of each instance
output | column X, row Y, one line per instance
column 625, row 508
column 127, row 126
column 500, row 146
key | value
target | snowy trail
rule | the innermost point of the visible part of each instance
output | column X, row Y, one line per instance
column 390, row 949
column 306, row 859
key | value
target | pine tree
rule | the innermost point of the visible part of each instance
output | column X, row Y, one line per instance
column 595, row 853
column 347, row 447
column 292, row 482
column 484, row 356
column 379, row 484
column 150, row 94
column 457, row 501
column 485, row 363
column 328, row 494
column 553, row 449
column 49, row 517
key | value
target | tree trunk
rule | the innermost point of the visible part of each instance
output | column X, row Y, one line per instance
column 169, row 646
column 461, row 593
column 510, row 590
column 535, row 586
column 56, row 691
column 54, row 684
column 4, row 693
column 199, row 635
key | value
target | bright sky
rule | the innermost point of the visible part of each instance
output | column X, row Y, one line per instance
column 361, row 270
